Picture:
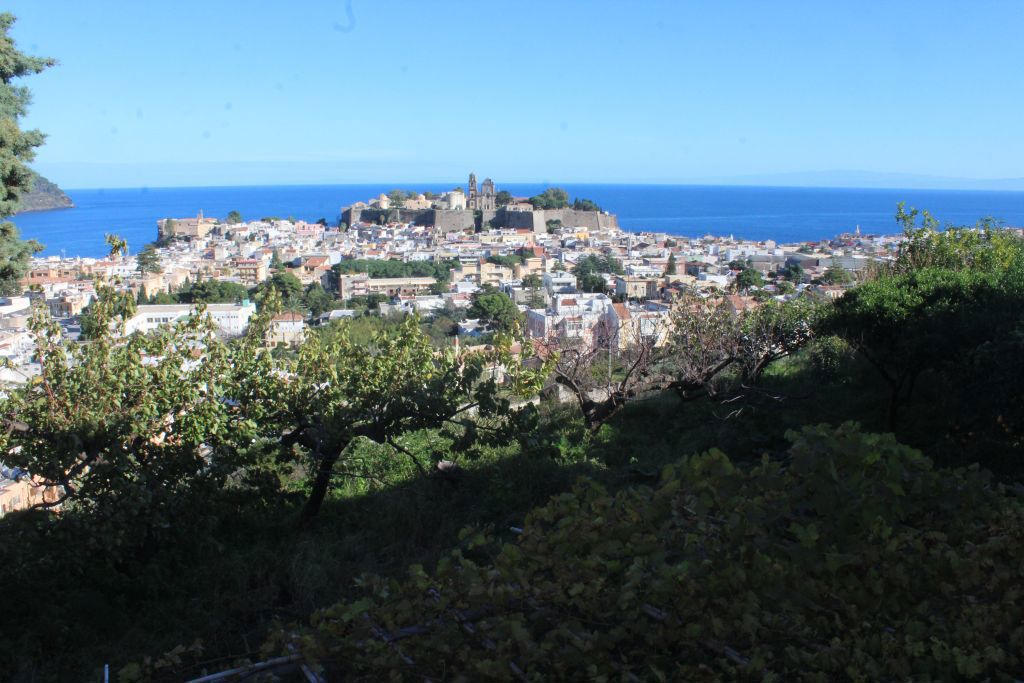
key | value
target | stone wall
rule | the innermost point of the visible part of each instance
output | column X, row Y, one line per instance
column 452, row 221
column 571, row 218
column 538, row 220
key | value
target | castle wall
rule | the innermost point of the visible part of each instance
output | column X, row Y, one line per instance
column 453, row 221
column 571, row 218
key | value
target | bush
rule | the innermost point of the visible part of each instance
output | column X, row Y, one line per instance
column 828, row 356
column 853, row 559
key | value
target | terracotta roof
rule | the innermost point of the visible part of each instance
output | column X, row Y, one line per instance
column 622, row 311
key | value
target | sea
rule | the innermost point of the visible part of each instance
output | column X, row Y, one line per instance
column 783, row 214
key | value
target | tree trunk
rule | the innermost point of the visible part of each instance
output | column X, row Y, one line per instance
column 894, row 402
column 597, row 413
column 321, row 484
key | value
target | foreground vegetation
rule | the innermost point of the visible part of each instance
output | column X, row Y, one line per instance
column 850, row 558
column 380, row 508
column 225, row 505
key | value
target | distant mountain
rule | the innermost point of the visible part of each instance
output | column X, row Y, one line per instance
column 871, row 179
column 43, row 196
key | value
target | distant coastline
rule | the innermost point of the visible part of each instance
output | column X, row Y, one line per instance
column 45, row 195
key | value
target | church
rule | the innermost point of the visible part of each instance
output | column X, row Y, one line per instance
column 485, row 199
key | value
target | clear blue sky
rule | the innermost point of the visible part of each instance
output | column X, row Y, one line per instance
column 259, row 92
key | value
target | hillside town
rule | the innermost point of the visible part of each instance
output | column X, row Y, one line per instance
column 630, row 278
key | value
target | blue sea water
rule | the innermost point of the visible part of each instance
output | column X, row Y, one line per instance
column 784, row 214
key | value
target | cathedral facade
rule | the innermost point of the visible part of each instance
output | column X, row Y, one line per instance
column 483, row 199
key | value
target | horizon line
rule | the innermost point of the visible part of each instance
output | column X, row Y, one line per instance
column 709, row 184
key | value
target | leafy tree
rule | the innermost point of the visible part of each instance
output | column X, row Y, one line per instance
column 836, row 274
column 502, row 198
column 553, row 225
column 592, row 283
column 100, row 314
column 792, row 272
column 134, row 434
column 949, row 296
column 585, row 205
column 440, row 328
column 532, row 281
column 322, row 221
column 507, row 261
column 317, row 300
column 593, row 263
column 590, row 270
column 670, row 267
column 162, row 298
column 748, row 278
column 214, row 292
column 376, row 268
column 703, row 351
column 497, row 309
column 288, row 288
column 535, row 298
column 148, row 260
column 397, row 198
column 929, row 319
column 551, row 198
column 234, row 217
column 370, row 302
column 276, row 264
column 396, row 385
column 983, row 247
column 17, row 148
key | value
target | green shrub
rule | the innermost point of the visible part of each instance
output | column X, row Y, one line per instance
column 853, row 559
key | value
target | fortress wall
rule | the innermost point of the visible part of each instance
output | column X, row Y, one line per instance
column 449, row 221
column 452, row 221
column 572, row 218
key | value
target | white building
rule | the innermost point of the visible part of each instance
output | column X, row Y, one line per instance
column 559, row 281
column 455, row 200
column 287, row 328
column 570, row 317
column 231, row 319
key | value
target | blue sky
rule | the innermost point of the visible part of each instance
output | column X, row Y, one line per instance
column 226, row 93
